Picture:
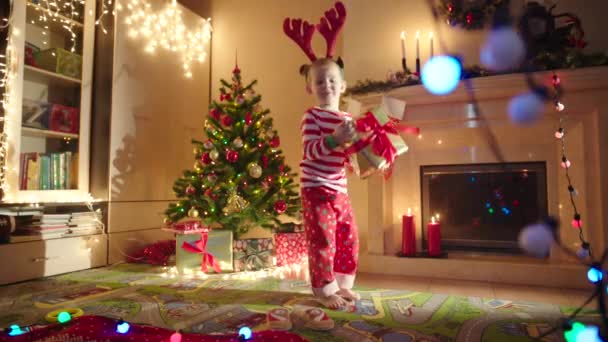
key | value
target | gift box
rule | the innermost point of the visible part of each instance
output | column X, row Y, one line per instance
column 35, row 114
column 30, row 51
column 379, row 142
column 291, row 248
column 64, row 119
column 252, row 254
column 59, row 61
column 193, row 253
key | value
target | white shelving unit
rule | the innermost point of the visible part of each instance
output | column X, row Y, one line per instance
column 35, row 83
column 40, row 86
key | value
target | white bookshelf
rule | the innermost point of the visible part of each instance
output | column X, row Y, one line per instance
column 45, row 85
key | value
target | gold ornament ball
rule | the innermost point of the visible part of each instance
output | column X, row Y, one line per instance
column 255, row 170
column 208, row 145
column 193, row 212
column 196, row 151
column 166, row 221
column 238, row 143
column 214, row 154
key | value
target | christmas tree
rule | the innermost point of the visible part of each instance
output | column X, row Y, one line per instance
column 240, row 179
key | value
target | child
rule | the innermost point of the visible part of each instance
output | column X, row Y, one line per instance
column 328, row 220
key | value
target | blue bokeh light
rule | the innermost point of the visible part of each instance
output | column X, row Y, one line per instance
column 123, row 327
column 441, row 74
column 594, row 275
column 245, row 332
column 16, row 330
column 590, row 334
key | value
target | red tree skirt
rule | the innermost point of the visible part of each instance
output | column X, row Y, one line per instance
column 102, row 329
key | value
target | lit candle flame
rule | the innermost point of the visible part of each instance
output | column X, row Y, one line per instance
column 402, row 35
column 433, row 219
column 431, row 35
column 437, row 216
column 409, row 211
column 417, row 34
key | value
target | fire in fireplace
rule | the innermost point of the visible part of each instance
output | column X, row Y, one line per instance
column 482, row 207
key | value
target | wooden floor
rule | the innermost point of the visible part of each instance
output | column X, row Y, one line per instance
column 570, row 297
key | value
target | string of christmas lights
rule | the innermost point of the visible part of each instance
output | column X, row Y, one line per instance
column 8, row 72
column 584, row 250
column 166, row 29
column 504, row 50
column 63, row 12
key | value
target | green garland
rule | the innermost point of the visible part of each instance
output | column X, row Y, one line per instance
column 544, row 61
column 468, row 14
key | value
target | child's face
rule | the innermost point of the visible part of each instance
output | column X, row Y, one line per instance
column 326, row 84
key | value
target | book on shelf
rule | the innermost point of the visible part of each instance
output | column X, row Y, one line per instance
column 49, row 171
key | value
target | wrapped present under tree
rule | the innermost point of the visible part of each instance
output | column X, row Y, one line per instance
column 252, row 254
column 207, row 251
column 291, row 248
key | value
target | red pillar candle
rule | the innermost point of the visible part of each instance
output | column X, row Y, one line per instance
column 433, row 231
column 408, row 239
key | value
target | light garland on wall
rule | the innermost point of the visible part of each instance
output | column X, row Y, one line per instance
column 166, row 29
column 54, row 10
column 8, row 72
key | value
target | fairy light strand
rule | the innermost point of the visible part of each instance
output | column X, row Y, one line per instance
column 8, row 71
column 166, row 29
column 561, row 135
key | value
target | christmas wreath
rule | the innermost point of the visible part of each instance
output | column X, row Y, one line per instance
column 468, row 14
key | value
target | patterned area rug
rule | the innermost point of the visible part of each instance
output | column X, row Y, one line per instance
column 140, row 294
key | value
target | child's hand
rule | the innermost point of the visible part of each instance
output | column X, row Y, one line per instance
column 345, row 133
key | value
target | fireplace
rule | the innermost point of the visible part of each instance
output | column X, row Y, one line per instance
column 482, row 207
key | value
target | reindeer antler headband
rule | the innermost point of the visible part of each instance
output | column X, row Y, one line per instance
column 329, row 26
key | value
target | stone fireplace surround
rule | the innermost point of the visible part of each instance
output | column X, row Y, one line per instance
column 450, row 134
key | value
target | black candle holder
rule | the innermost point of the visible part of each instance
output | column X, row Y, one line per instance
column 418, row 66
column 404, row 64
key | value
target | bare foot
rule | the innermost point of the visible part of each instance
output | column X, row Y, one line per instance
column 334, row 302
column 348, row 294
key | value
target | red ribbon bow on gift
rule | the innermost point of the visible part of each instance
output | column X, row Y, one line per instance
column 378, row 138
column 200, row 246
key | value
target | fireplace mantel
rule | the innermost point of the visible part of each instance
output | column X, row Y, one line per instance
column 496, row 87
column 451, row 135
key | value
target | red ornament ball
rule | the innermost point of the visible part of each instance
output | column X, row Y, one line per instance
column 205, row 158
column 280, row 206
column 248, row 118
column 215, row 113
column 469, row 18
column 232, row 156
column 225, row 97
column 190, row 190
column 236, row 70
column 265, row 161
column 275, row 142
column 227, row 121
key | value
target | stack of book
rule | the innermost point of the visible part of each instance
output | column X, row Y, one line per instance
column 85, row 222
column 46, row 226
column 13, row 217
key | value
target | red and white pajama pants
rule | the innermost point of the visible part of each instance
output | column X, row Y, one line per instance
column 333, row 241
